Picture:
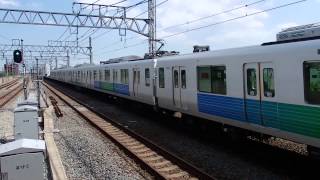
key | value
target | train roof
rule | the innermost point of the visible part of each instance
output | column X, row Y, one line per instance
column 250, row 50
column 239, row 51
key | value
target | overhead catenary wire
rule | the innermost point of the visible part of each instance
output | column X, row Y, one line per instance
column 63, row 33
column 69, row 27
column 126, row 47
column 133, row 37
column 215, row 24
column 128, row 8
column 233, row 19
column 215, row 14
column 95, row 30
column 4, row 37
column 192, row 21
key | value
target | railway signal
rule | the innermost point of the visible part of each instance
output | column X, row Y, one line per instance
column 17, row 56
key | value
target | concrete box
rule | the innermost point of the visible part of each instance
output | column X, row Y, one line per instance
column 27, row 166
column 26, row 122
column 22, row 159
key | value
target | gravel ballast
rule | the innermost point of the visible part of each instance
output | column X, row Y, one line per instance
column 88, row 154
column 217, row 155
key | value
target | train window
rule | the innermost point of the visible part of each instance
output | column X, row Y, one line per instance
column 107, row 75
column 147, row 76
column 176, row 78
column 161, row 78
column 252, row 82
column 311, row 71
column 183, row 79
column 94, row 75
column 115, row 76
column 218, row 79
column 268, row 82
column 204, row 79
column 100, row 75
column 124, row 76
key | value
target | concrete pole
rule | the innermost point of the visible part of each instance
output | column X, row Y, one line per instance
column 90, row 51
column 152, row 27
column 56, row 63
column 68, row 59
column 38, row 84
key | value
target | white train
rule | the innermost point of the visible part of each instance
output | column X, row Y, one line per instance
column 273, row 89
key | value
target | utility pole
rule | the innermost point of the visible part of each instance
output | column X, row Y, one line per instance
column 24, row 74
column 68, row 59
column 56, row 62
column 152, row 27
column 38, row 83
column 90, row 50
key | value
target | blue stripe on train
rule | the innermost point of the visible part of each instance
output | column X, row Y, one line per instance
column 253, row 111
column 122, row 89
column 227, row 107
column 264, row 113
column 118, row 88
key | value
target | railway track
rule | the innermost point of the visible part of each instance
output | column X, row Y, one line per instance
column 9, row 84
column 6, row 97
column 161, row 163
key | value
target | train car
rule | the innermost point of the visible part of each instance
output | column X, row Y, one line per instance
column 272, row 89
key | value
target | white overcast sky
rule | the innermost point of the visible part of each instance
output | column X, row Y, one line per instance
column 251, row 30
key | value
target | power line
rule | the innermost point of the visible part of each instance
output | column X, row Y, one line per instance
column 215, row 14
column 63, row 33
column 4, row 37
column 156, row 7
column 92, row 3
column 126, row 47
column 232, row 19
column 198, row 19
column 134, row 37
column 89, row 28
column 95, row 30
column 214, row 24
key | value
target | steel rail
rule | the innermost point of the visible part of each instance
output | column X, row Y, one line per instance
column 159, row 162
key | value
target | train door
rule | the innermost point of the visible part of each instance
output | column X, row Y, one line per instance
column 252, row 93
column 269, row 110
column 179, row 86
column 259, row 91
column 136, row 81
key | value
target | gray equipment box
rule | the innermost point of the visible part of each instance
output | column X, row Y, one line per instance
column 27, row 166
column 26, row 122
column 28, row 102
column 22, row 159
